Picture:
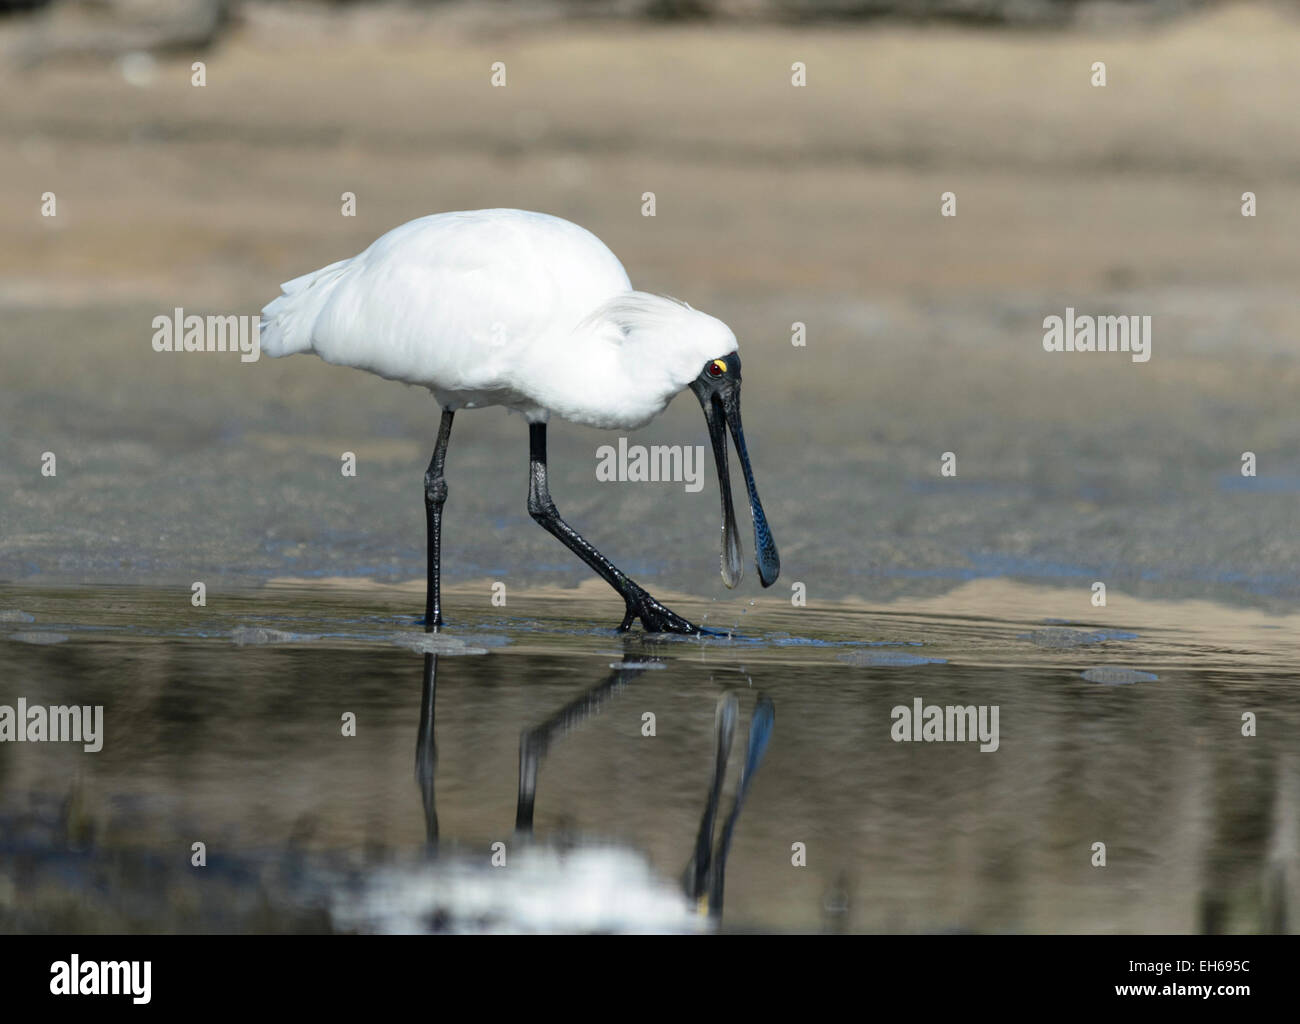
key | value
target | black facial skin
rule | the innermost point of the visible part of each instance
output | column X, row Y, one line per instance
column 718, row 389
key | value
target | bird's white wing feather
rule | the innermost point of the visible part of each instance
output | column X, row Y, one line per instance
column 288, row 319
column 449, row 301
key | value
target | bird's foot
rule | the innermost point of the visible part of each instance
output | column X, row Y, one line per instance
column 656, row 618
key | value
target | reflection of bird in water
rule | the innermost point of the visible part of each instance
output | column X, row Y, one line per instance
column 543, row 888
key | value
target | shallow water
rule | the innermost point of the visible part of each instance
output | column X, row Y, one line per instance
column 223, row 725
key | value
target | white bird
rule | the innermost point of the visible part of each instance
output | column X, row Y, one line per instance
column 534, row 313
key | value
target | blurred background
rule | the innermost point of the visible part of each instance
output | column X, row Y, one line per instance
column 775, row 205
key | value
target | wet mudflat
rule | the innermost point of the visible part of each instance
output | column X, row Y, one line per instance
column 225, row 725
column 1120, row 725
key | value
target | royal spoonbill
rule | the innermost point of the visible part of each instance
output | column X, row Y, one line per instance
column 531, row 312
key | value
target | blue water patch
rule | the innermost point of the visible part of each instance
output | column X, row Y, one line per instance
column 894, row 658
column 39, row 638
column 985, row 565
column 787, row 640
column 1270, row 483
column 1058, row 636
column 1110, row 676
column 997, row 565
column 435, row 643
column 243, row 635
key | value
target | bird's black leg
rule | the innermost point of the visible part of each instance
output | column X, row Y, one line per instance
column 435, row 495
column 640, row 605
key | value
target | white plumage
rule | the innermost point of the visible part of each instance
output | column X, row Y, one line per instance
column 500, row 307
column 524, row 310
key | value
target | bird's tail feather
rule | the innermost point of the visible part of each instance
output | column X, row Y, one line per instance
column 288, row 319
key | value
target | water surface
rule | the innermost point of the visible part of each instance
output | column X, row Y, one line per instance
column 224, row 725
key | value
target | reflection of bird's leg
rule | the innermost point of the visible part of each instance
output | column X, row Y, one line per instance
column 435, row 496
column 535, row 742
column 426, row 750
column 705, row 875
column 697, row 870
column 640, row 605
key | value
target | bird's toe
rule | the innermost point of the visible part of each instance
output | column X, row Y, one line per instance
column 656, row 618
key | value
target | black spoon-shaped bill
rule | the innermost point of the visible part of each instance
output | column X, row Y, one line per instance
column 721, row 404
column 766, row 556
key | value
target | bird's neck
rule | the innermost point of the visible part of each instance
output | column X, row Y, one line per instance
column 592, row 379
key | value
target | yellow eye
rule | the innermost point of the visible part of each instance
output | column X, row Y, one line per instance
column 717, row 368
